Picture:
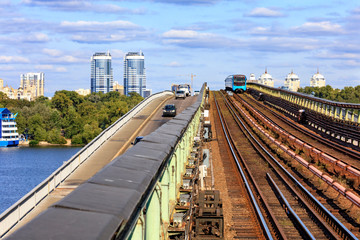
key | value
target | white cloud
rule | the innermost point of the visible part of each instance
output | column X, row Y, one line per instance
column 194, row 39
column 324, row 27
column 284, row 44
column 7, row 68
column 81, row 6
column 264, row 12
column 21, row 25
column 342, row 56
column 44, row 67
column 352, row 63
column 36, row 37
column 60, row 69
column 69, row 59
column 116, row 53
column 25, row 37
column 186, row 34
column 94, row 26
column 103, row 32
column 50, row 67
column 260, row 30
column 13, row 59
column 188, row 2
column 99, row 38
column 174, row 64
column 52, row 52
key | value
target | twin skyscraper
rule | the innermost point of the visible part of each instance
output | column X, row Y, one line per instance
column 102, row 79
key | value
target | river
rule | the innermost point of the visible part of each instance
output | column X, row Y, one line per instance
column 23, row 168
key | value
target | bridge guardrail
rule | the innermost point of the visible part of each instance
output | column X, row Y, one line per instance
column 21, row 208
column 111, row 203
column 338, row 110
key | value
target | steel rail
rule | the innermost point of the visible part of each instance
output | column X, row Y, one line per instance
column 347, row 234
column 247, row 185
column 281, row 128
column 265, row 154
column 339, row 147
column 289, row 209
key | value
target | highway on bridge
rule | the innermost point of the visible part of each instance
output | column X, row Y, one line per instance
column 145, row 122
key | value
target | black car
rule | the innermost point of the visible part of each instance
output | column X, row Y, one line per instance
column 169, row 110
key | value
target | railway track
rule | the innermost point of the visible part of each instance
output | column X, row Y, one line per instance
column 244, row 222
column 313, row 143
column 258, row 163
column 345, row 165
column 313, row 137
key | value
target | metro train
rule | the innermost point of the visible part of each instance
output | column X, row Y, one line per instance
column 236, row 83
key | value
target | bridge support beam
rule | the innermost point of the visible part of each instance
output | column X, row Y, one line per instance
column 161, row 205
column 152, row 216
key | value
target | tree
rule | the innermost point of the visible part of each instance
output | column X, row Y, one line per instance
column 3, row 97
column 69, row 114
column 42, row 99
column 61, row 102
column 39, row 134
column 54, row 136
column 73, row 96
column 36, row 127
column 133, row 100
column 94, row 97
column 110, row 97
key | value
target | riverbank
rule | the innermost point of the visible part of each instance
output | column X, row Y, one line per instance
column 46, row 144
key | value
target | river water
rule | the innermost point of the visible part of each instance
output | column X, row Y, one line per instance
column 23, row 168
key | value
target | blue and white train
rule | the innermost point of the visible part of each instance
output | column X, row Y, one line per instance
column 236, row 83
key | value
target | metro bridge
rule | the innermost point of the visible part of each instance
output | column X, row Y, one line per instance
column 267, row 164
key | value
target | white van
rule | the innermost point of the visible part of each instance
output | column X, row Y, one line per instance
column 180, row 94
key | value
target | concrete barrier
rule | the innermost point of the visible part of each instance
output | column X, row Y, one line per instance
column 21, row 208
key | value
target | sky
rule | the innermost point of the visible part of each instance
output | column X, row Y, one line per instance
column 208, row 38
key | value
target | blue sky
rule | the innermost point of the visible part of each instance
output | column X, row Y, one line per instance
column 209, row 38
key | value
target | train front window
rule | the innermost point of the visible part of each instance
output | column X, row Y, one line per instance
column 239, row 81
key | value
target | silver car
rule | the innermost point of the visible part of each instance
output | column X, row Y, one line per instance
column 180, row 94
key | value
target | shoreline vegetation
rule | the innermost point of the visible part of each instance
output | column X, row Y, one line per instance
column 347, row 95
column 26, row 143
column 67, row 119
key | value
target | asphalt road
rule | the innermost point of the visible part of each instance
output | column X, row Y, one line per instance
column 145, row 122
column 157, row 120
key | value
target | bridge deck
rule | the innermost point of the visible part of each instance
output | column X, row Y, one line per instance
column 146, row 121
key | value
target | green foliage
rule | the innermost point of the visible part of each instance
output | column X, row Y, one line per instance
column 61, row 102
column 133, row 99
column 348, row 94
column 69, row 115
column 3, row 96
column 77, row 139
column 39, row 134
column 33, row 142
column 54, row 136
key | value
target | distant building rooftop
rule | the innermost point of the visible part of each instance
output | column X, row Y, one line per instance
column 102, row 54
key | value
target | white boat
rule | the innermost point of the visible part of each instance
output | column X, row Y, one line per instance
column 8, row 130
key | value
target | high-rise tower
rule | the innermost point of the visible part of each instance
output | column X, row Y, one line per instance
column 134, row 73
column 101, row 73
column 32, row 84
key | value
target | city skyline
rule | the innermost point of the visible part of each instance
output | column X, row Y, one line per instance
column 102, row 77
column 134, row 73
column 210, row 38
column 32, row 85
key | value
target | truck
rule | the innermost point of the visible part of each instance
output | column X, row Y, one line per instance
column 186, row 88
